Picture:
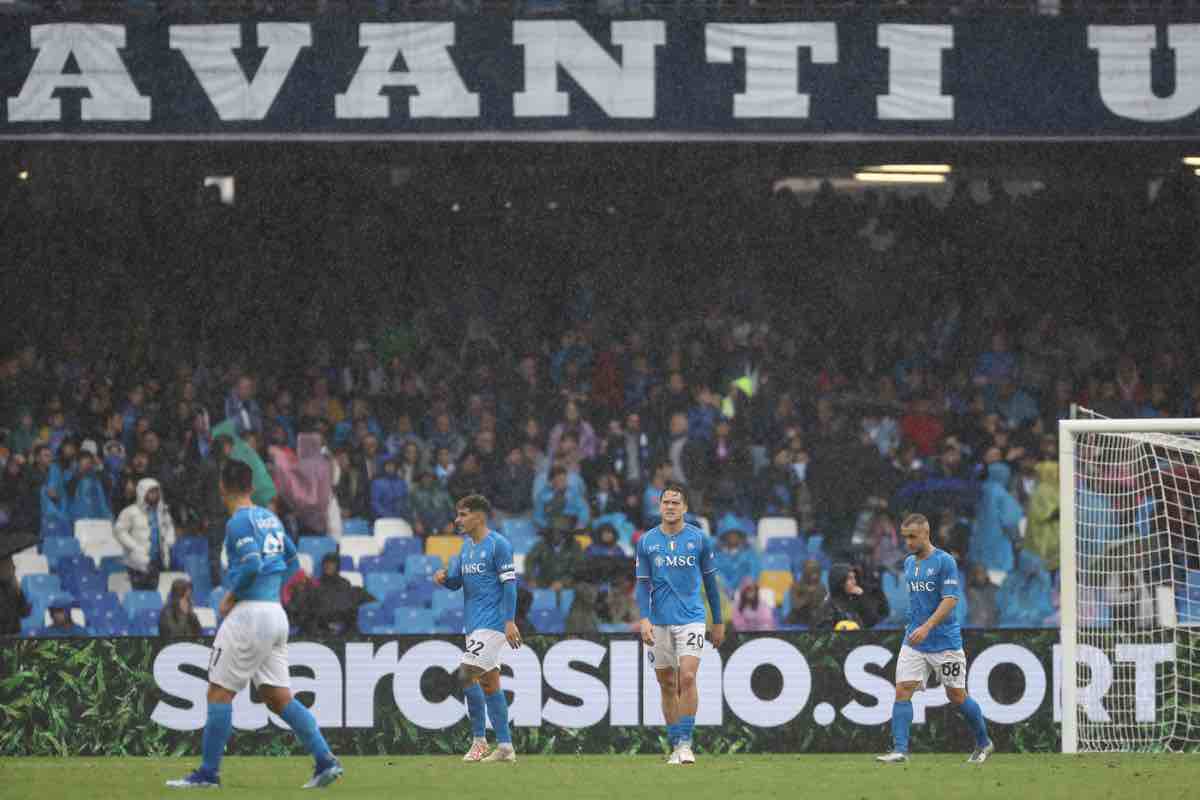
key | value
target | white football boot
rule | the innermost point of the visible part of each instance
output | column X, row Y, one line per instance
column 892, row 758
column 479, row 749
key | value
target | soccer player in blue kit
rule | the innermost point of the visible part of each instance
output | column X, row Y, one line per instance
column 486, row 573
column 932, row 641
column 673, row 560
column 251, row 644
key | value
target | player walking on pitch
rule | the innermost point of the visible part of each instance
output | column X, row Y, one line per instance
column 488, row 579
column 932, row 641
column 252, row 641
column 673, row 560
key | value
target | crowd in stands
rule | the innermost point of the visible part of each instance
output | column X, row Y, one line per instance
column 802, row 452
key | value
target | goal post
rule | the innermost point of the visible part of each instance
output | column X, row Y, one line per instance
column 1129, row 534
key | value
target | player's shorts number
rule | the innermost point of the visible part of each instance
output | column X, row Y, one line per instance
column 952, row 669
column 474, row 647
column 695, row 640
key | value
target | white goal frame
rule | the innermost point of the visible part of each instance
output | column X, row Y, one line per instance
column 1068, row 591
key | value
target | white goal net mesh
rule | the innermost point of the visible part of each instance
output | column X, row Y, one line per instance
column 1137, row 551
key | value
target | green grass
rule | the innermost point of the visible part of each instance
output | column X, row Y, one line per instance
column 825, row 777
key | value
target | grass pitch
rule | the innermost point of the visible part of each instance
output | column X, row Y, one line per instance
column 822, row 777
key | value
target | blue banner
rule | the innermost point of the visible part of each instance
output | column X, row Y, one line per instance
column 674, row 78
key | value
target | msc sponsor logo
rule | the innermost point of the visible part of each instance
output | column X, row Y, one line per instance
column 473, row 569
column 679, row 561
column 921, row 586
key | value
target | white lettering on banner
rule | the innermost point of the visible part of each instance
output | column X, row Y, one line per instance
column 1124, row 56
column 208, row 49
column 772, row 65
column 797, row 682
column 874, row 686
column 624, row 89
column 1034, row 679
column 708, row 685
column 1090, row 696
column 562, row 677
column 406, row 685
column 924, row 699
column 365, row 667
column 1146, row 658
column 915, row 72
column 176, row 683
column 425, row 47
column 525, row 683
column 112, row 94
column 623, row 661
column 325, row 683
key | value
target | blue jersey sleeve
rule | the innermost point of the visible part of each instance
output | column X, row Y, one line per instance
column 708, row 557
column 641, row 562
column 454, row 579
column 948, row 585
column 245, row 558
column 502, row 560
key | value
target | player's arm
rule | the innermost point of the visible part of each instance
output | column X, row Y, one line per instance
column 642, row 592
column 291, row 559
column 245, row 560
column 506, row 570
column 708, row 567
column 450, row 578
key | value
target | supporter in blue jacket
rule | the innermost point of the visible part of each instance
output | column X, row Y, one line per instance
column 736, row 560
column 559, row 506
column 389, row 493
column 1024, row 597
column 87, row 497
column 996, row 522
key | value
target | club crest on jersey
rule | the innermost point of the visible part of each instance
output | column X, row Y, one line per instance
column 691, row 545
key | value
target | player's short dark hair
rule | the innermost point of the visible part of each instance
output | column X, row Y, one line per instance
column 676, row 486
column 236, row 475
column 917, row 520
column 475, row 502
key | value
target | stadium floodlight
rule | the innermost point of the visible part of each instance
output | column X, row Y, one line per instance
column 932, row 169
column 898, row 177
column 1130, row 599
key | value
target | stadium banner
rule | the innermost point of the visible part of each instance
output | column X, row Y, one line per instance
column 597, row 77
column 759, row 693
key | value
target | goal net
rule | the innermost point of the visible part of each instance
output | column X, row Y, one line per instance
column 1130, row 583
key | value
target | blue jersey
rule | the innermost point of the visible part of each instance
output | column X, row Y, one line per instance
column 675, row 566
column 929, row 581
column 261, row 554
column 483, row 569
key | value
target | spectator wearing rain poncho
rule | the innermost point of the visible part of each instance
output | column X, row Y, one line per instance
column 997, row 520
column 1024, row 597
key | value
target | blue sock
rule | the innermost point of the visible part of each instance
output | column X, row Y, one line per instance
column 497, row 709
column 974, row 716
column 673, row 734
column 476, row 710
column 304, row 725
column 902, row 714
column 217, row 730
column 685, row 726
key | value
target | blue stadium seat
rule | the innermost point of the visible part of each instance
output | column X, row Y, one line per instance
column 214, row 597
column 108, row 621
column 451, row 620
column 777, row 561
column 139, row 599
column 317, row 547
column 369, row 564
column 544, row 599
column 399, row 548
column 197, row 568
column 373, row 616
column 517, row 526
column 144, row 622
column 791, row 549
column 897, row 597
column 422, row 589
column 188, row 547
column 56, row 528
column 111, row 564
column 40, row 585
column 413, row 620
column 443, row 599
column 421, row 567
column 345, row 564
column 100, row 598
column 73, row 570
column 33, row 623
column 88, row 582
column 566, row 598
column 59, row 548
column 381, row 584
column 356, row 527
column 547, row 620
column 816, row 544
column 612, row 627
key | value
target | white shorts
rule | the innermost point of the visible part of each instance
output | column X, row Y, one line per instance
column 251, row 644
column 949, row 668
column 674, row 641
column 483, row 649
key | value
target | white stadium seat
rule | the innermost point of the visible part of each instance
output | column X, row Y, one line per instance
column 358, row 546
column 94, row 530
column 119, row 582
column 355, row 578
column 101, row 548
column 776, row 528
column 28, row 562
column 306, row 563
column 392, row 527
column 207, row 617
